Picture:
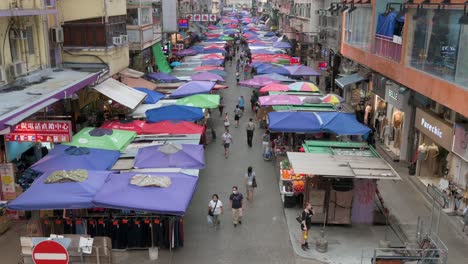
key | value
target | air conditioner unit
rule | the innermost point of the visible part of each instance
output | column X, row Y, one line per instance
column 3, row 77
column 57, row 34
column 18, row 68
column 124, row 39
column 117, row 40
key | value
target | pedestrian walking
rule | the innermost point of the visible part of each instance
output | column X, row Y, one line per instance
column 237, row 204
column 227, row 141
column 306, row 224
column 215, row 209
column 250, row 128
column 226, row 121
column 250, row 183
column 265, row 141
column 241, row 103
column 253, row 100
column 237, row 115
column 221, row 106
column 237, row 76
column 246, row 71
column 465, row 218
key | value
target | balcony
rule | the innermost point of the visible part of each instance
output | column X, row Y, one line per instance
column 142, row 38
column 388, row 48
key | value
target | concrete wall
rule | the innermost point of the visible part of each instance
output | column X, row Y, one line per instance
column 115, row 57
column 70, row 10
column 22, row 4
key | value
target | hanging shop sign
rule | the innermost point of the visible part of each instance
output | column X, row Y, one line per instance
column 183, row 22
column 204, row 17
column 212, row 17
column 460, row 141
column 7, row 176
column 396, row 95
column 196, row 17
column 41, row 131
column 379, row 84
column 435, row 128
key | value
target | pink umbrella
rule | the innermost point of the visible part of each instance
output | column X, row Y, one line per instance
column 280, row 99
column 274, row 87
column 258, row 82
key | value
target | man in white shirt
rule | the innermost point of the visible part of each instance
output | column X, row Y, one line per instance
column 227, row 140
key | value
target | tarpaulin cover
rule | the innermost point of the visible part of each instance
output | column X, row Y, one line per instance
column 118, row 193
column 68, row 195
column 174, row 112
column 257, row 82
column 193, row 87
column 276, row 76
column 189, row 156
column 343, row 124
column 280, row 99
column 152, row 97
column 161, row 76
column 305, row 122
column 60, row 158
column 160, row 59
column 265, row 69
column 301, row 70
column 282, row 45
column 207, row 76
column 112, row 139
column 172, row 127
column 132, row 125
column 200, row 100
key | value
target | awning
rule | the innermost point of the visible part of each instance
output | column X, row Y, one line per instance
column 121, row 93
column 131, row 73
column 337, row 166
column 138, row 82
column 350, row 79
column 18, row 104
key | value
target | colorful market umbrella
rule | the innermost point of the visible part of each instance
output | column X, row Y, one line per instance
column 152, row 97
column 175, row 113
column 257, row 82
column 218, row 72
column 301, row 70
column 175, row 64
column 212, row 56
column 128, row 125
column 282, row 45
column 280, row 99
column 276, row 76
column 226, row 38
column 212, row 62
column 200, row 100
column 193, row 87
column 332, row 99
column 163, row 77
column 187, row 52
column 274, row 87
column 213, row 50
column 303, row 87
column 172, row 127
column 208, row 68
column 187, row 156
column 207, row 76
column 101, row 138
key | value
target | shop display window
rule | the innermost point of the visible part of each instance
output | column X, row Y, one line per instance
column 437, row 44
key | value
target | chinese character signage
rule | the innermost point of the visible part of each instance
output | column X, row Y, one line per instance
column 7, row 177
column 189, row 17
column 182, row 22
column 41, row 131
column 204, row 17
column 196, row 17
column 212, row 17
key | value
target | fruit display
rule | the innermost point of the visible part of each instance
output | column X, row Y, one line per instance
column 298, row 186
column 285, row 164
column 285, row 174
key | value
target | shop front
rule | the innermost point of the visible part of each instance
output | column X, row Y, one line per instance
column 435, row 140
column 393, row 119
column 459, row 165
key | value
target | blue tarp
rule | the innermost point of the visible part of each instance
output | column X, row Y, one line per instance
column 68, row 195
column 386, row 24
column 152, row 96
column 302, row 122
column 315, row 122
column 175, row 113
column 92, row 159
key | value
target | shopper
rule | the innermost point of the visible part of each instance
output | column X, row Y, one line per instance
column 237, row 76
column 250, row 183
column 237, row 115
column 226, row 121
column 241, row 103
column 265, row 141
column 221, row 106
column 227, row 140
column 253, row 100
column 250, row 128
column 306, row 224
column 215, row 209
column 236, row 200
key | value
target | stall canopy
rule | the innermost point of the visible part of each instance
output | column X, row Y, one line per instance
column 207, row 76
column 174, row 112
column 280, row 99
column 118, row 193
column 200, row 100
column 129, row 125
column 193, row 87
column 161, row 61
column 120, row 93
column 348, row 80
column 161, row 76
column 152, row 97
column 102, row 138
column 301, row 70
column 301, row 122
column 64, row 157
column 257, row 82
column 172, row 127
column 276, row 76
column 185, row 156
column 343, row 124
column 67, row 195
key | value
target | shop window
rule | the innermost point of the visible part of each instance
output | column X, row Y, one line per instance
column 437, row 44
column 358, row 26
column 132, row 17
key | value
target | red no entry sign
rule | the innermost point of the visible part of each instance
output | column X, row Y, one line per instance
column 49, row 252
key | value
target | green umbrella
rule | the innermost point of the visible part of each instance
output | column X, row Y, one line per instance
column 200, row 100
column 102, row 138
column 227, row 38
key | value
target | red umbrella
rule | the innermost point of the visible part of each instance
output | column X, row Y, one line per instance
column 171, row 127
column 208, row 68
column 133, row 125
column 212, row 35
column 274, row 87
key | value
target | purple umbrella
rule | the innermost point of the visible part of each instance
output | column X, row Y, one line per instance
column 280, row 99
column 213, row 50
column 193, row 87
column 258, row 82
column 214, row 62
column 282, row 45
column 301, row 70
column 262, row 51
column 186, row 52
column 161, row 76
column 207, row 76
column 185, row 156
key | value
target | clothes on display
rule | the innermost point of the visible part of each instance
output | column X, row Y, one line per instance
column 397, row 119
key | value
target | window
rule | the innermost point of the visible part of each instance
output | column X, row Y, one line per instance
column 14, row 46
column 30, row 40
column 437, row 44
column 357, row 29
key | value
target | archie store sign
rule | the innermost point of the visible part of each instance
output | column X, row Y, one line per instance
column 435, row 128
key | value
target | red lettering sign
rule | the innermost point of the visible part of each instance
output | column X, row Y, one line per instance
column 41, row 131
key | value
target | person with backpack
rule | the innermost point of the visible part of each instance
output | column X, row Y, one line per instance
column 250, row 183
column 215, row 209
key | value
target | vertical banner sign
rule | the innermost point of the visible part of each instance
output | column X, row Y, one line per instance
column 204, row 17
column 212, row 17
column 190, row 17
column 7, row 177
column 196, row 17
column 169, row 16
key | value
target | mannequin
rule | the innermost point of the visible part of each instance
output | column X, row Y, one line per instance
column 397, row 119
column 367, row 112
column 382, row 126
column 432, row 153
column 422, row 149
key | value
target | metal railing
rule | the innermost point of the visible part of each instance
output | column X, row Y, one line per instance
column 386, row 48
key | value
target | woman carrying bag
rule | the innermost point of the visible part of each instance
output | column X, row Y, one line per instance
column 215, row 209
column 250, row 183
column 306, row 224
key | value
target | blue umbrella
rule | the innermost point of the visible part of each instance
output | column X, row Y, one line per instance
column 213, row 50
column 270, row 34
column 214, row 62
column 175, row 64
column 152, row 97
column 174, row 112
column 282, row 45
column 161, row 76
